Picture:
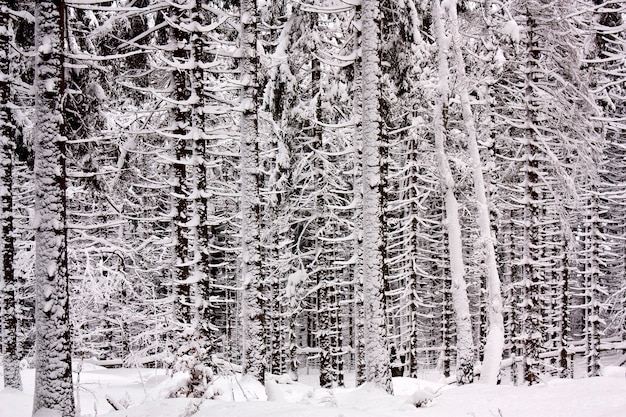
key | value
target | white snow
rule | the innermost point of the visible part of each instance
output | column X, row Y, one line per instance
column 144, row 392
column 46, row 46
column 98, row 92
column 614, row 371
column 51, row 270
column 499, row 60
column 511, row 28
column 446, row 5
column 46, row 412
column 47, row 306
column 294, row 281
column 168, row 387
column 50, row 85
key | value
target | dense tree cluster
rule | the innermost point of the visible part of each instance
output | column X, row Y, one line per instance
column 374, row 185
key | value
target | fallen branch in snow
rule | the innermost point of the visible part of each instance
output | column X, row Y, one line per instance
column 115, row 404
column 243, row 391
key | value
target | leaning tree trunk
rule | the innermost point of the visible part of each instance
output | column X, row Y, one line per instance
column 53, row 379
column 494, row 345
column 465, row 342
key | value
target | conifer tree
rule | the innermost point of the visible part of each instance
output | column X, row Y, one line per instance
column 465, row 343
column 8, row 284
column 251, row 270
column 377, row 365
column 53, row 378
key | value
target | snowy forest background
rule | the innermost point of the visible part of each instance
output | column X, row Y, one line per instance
column 374, row 186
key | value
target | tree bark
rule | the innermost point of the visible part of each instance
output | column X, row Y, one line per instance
column 253, row 283
column 465, row 343
column 377, row 361
column 494, row 345
column 12, row 378
column 359, row 318
column 532, row 274
column 53, row 378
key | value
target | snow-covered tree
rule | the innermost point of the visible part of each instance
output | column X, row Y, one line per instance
column 8, row 283
column 404, row 111
column 331, row 204
column 283, row 28
column 465, row 342
column 21, row 99
column 607, row 46
column 546, row 122
column 495, row 337
column 53, row 380
column 377, row 368
column 357, row 186
column 253, row 282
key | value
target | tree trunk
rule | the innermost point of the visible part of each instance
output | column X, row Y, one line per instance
column 376, row 352
column 591, row 271
column 563, row 311
column 465, row 343
column 180, row 115
column 10, row 359
column 532, row 320
column 53, row 379
column 253, row 284
column 495, row 336
column 327, row 373
column 205, row 287
column 359, row 317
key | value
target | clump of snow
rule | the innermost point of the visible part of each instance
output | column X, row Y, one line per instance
column 321, row 397
column 446, row 5
column 273, row 392
column 96, row 90
column 499, row 60
column 52, row 270
column 283, row 388
column 47, row 306
column 294, row 281
column 50, row 85
column 422, row 397
column 170, row 386
column 511, row 28
column 46, row 46
column 282, row 156
column 154, row 381
column 614, row 371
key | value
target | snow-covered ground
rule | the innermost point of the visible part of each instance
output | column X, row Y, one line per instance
column 143, row 392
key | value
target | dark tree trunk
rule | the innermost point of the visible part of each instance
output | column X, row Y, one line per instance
column 253, row 283
column 53, row 380
column 12, row 378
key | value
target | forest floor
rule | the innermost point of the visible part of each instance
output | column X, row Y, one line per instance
column 142, row 393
